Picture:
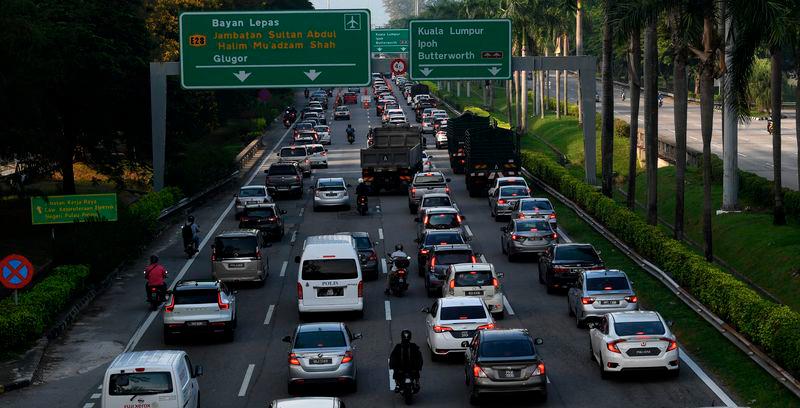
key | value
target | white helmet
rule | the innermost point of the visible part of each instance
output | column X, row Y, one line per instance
column 360, row 180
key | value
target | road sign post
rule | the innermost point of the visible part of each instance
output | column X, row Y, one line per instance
column 16, row 272
column 388, row 41
column 73, row 208
column 276, row 49
column 460, row 49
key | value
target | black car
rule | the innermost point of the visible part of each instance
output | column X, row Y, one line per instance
column 440, row 258
column 367, row 255
column 503, row 361
column 430, row 238
column 265, row 217
column 284, row 178
column 560, row 265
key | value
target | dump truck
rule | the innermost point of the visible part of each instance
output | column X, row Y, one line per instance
column 391, row 161
column 456, row 127
column 489, row 153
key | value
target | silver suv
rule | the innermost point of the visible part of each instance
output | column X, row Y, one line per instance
column 200, row 306
column 322, row 353
column 600, row 292
column 236, row 256
column 296, row 154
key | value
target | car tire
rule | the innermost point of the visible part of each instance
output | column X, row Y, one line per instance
column 542, row 396
column 550, row 290
column 412, row 209
column 353, row 387
column 591, row 352
column 674, row 373
column 315, row 208
column 474, row 397
column 498, row 217
column 570, row 313
column 579, row 323
column 604, row 375
column 360, row 314
column 434, row 357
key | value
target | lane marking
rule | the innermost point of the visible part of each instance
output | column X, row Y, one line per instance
column 95, row 396
column 564, row 235
column 507, row 305
column 380, row 233
column 269, row 314
column 283, row 268
column 469, row 231
column 246, row 380
column 383, row 265
column 137, row 335
column 88, row 405
column 548, row 379
column 388, row 308
column 391, row 380
column 707, row 380
column 302, row 210
column 483, row 258
column 294, row 237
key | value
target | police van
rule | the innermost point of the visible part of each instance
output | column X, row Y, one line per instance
column 151, row 379
column 329, row 278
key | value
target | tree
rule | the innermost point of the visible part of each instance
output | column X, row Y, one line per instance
column 651, row 119
column 607, row 131
column 634, row 85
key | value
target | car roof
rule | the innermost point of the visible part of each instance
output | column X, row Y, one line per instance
column 283, row 164
column 436, row 195
column 505, row 334
column 432, row 210
column 466, row 267
column 330, row 179
column 452, row 247
column 602, row 273
column 573, row 245
column 441, row 231
column 325, row 326
column 253, row 187
column 146, row 358
column 196, row 284
column 260, row 205
column 511, row 178
column 238, row 233
column 635, row 316
column 355, row 234
column 460, row 301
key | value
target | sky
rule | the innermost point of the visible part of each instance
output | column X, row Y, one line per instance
column 378, row 14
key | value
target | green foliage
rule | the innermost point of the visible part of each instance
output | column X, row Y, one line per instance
column 622, row 128
column 145, row 211
column 775, row 328
column 39, row 306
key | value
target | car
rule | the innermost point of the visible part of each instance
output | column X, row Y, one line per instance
column 350, row 98
column 323, row 134
column 434, row 218
column 318, row 155
column 322, row 353
column 441, row 139
column 633, row 341
column 427, row 162
column 251, row 194
column 500, row 201
column 526, row 236
column 599, row 292
column 305, row 137
column 431, row 200
column 451, row 321
column 330, row 278
column 439, row 260
column 399, row 121
column 331, row 192
column 537, row 207
column 560, row 264
column 236, row 257
column 389, row 112
column 320, row 100
column 431, row 238
column 296, row 154
column 267, row 218
column 284, row 178
column 366, row 253
column 426, row 183
column 154, row 378
column 307, row 402
column 341, row 112
column 300, row 126
column 479, row 280
column 200, row 306
column 312, row 115
column 504, row 361
column 508, row 181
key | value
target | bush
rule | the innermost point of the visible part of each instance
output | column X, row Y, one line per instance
column 622, row 128
column 39, row 306
column 773, row 327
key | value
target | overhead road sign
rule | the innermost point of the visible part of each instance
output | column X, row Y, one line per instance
column 16, row 271
column 390, row 40
column 276, row 49
column 73, row 208
column 460, row 49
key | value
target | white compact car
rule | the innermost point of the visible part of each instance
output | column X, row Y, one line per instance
column 323, row 133
column 450, row 321
column 200, row 307
column 633, row 341
column 477, row 280
column 318, row 155
column 507, row 181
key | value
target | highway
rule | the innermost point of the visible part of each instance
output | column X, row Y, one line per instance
column 251, row 370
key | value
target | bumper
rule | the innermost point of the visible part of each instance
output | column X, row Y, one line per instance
column 209, row 327
column 240, row 276
column 501, row 209
column 535, row 248
column 331, row 202
column 284, row 189
column 535, row 383
column 444, row 343
column 495, row 303
column 591, row 312
column 322, row 307
column 435, row 282
column 319, row 163
column 667, row 361
column 562, row 281
column 345, row 371
column 370, row 267
column 427, row 129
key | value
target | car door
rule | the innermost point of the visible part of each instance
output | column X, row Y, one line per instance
column 190, row 388
column 575, row 293
column 430, row 320
column 597, row 336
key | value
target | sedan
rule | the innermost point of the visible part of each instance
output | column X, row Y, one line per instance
column 561, row 264
column 267, row 218
column 331, row 192
column 322, row 353
column 600, row 292
column 526, row 236
column 431, row 238
column 323, row 134
column 500, row 201
column 633, row 341
column 341, row 112
column 535, row 208
column 450, row 321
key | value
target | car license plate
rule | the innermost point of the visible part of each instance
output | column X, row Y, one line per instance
column 235, row 265
column 648, row 351
column 283, row 188
column 508, row 373
column 609, row 302
column 464, row 334
column 474, row 293
column 196, row 324
column 330, row 195
column 320, row 361
column 324, row 292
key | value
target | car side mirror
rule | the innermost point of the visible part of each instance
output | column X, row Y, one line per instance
column 425, row 310
column 198, row 371
column 376, row 243
column 501, row 274
column 287, row 339
column 357, row 336
column 465, row 344
column 416, row 219
column 538, row 341
column 297, row 259
column 283, row 212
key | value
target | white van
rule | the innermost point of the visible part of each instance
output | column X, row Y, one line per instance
column 329, row 278
column 159, row 378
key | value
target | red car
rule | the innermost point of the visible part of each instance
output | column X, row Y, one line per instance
column 350, row 98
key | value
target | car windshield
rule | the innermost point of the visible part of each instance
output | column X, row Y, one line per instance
column 328, row 269
column 507, row 348
column 639, row 328
column 156, row 382
column 532, row 225
column 512, row 182
column 252, row 192
column 265, row 212
column 607, row 283
column 533, row 205
column 282, row 171
column 577, row 253
column 322, row 128
column 235, row 247
column 429, row 178
column 463, row 313
column 363, row 243
column 449, row 258
column 473, row 278
column 330, row 185
column 294, row 152
column 512, row 191
column 195, row 296
column 320, row 339
column 444, row 238
column 342, row 109
column 436, row 202
column 441, row 220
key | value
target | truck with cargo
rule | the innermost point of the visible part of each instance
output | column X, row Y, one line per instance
column 456, row 127
column 390, row 162
column 489, row 154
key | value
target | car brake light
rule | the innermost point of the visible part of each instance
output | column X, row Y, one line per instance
column 489, row 326
column 171, row 306
column 447, row 189
column 672, row 343
column 413, row 191
column 293, row 359
column 516, row 237
column 423, row 251
column 552, row 216
column 539, row 369
column 425, row 221
column 348, row 357
column 612, row 346
column 520, row 215
column 361, row 289
column 474, row 260
column 258, row 253
column 555, row 235
column 477, row 371
column 299, row 291
column 559, row 269
column 433, row 262
column 272, row 218
column 501, row 201
column 441, row 329
column 452, row 284
column 631, row 299
column 213, row 255
column 222, row 305
column 458, row 217
column 587, row 300
column 373, row 256
column 495, row 283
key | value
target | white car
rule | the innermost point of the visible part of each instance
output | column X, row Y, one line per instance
column 200, row 306
column 323, row 133
column 633, row 341
column 331, row 192
column 451, row 321
column 507, row 181
column 441, row 139
column 389, row 113
column 252, row 194
column 477, row 280
column 318, row 155
column 427, row 162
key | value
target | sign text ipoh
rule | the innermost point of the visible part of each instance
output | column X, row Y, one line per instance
column 73, row 208
column 460, row 49
column 277, row 49
column 390, row 40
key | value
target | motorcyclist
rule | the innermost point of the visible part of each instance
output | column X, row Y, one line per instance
column 155, row 275
column 191, row 231
column 351, row 133
column 362, row 188
column 405, row 359
column 398, row 253
column 305, row 93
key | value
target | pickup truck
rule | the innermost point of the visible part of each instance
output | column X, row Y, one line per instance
column 425, row 183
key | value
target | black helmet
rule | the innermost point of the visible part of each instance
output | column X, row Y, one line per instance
column 191, row 218
column 348, row 125
column 398, row 247
column 405, row 336
column 153, row 259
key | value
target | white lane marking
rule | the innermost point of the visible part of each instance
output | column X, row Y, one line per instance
column 91, row 404
column 391, row 380
column 383, row 265
column 380, row 233
column 507, row 305
column 548, row 379
column 483, row 258
column 469, row 231
column 564, row 235
column 100, row 387
column 283, row 268
column 302, row 210
column 294, row 237
column 707, row 380
column 246, row 380
column 95, row 396
column 388, row 308
column 270, row 311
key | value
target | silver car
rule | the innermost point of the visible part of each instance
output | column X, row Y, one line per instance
column 253, row 194
column 200, row 306
column 535, row 208
column 500, row 201
column 600, row 292
column 526, row 236
column 323, row 133
column 331, row 192
column 296, row 154
column 322, row 353
column 236, row 256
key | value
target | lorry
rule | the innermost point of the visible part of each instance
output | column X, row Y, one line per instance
column 392, row 159
column 456, row 127
column 489, row 153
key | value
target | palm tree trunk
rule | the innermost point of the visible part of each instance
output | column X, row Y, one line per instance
column 730, row 129
column 681, row 92
column 565, row 74
column 706, row 121
column 776, row 55
column 797, row 104
column 651, row 120
column 558, row 79
column 607, row 131
column 634, row 85
column 579, row 51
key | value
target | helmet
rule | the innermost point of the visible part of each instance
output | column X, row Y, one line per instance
column 348, row 125
column 360, row 180
column 191, row 218
column 153, row 259
column 399, row 247
column 405, row 336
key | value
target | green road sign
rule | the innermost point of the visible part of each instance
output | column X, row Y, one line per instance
column 392, row 40
column 460, row 49
column 277, row 49
column 73, row 208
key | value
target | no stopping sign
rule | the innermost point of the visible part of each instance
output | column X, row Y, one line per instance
column 399, row 66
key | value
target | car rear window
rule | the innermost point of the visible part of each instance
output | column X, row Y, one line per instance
column 320, row 339
column 294, row 152
column 316, row 149
column 363, row 243
column 449, row 258
column 442, row 220
column 156, row 382
column 235, row 247
column 513, row 182
column 511, row 191
column 532, row 205
column 639, row 328
column 322, row 128
column 607, row 283
column 328, row 269
column 252, row 192
column 444, row 238
column 463, row 313
column 530, row 225
column 335, row 185
column 507, row 348
column 473, row 278
column 195, row 296
column 579, row 253
column 282, row 171
column 436, row 202
column 429, row 178
column 260, row 212
column 304, row 126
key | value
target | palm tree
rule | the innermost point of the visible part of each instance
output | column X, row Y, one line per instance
column 651, row 118
column 634, row 87
column 607, row 130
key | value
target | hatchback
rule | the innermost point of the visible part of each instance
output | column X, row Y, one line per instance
column 526, row 236
column 322, row 353
column 431, row 238
column 331, row 192
column 200, row 306
column 500, row 201
column 450, row 321
column 479, row 280
column 440, row 259
column 323, row 134
column 341, row 112
column 439, row 218
column 267, row 218
column 600, row 292
column 296, row 154
column 318, row 155
column 535, row 208
column 236, row 256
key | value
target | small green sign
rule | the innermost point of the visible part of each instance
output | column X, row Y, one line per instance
column 460, row 49
column 390, row 40
column 276, row 49
column 73, row 208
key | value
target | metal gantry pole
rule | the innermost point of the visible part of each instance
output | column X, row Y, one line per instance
column 158, row 116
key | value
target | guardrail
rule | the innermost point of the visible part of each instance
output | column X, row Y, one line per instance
column 248, row 152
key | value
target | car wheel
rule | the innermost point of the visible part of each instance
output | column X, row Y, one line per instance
column 579, row 323
column 420, row 270
column 550, row 290
column 591, row 352
column 315, row 208
column 353, row 386
column 412, row 208
column 569, row 308
column 674, row 373
column 498, row 217
column 474, row 397
column 542, row 397
column 360, row 314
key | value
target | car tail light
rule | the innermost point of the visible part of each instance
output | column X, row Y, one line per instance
column 560, row 269
column 631, row 299
column 222, row 305
column 297, row 178
column 348, row 357
column 272, row 218
column 474, row 260
column 324, row 153
column 452, row 284
column 495, row 283
column 672, row 343
column 458, row 217
column 293, row 359
column 501, row 201
column 361, row 289
column 423, row 251
column 489, row 326
column 612, row 346
column 425, row 221
column 213, row 256
column 447, row 189
column 477, row 371
column 441, row 329
column 516, row 237
column 552, row 216
column 539, row 369
column 433, row 262
column 555, row 236
column 587, row 300
column 258, row 253
column 413, row 191
column 171, row 306
column 520, row 215
column 373, row 256
column 401, row 272
column 299, row 291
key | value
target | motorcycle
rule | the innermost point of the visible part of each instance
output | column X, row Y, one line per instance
column 351, row 138
column 189, row 247
column 156, row 295
column 286, row 123
column 407, row 388
column 362, row 205
column 398, row 282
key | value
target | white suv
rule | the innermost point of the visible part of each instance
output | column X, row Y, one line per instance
column 200, row 306
column 476, row 280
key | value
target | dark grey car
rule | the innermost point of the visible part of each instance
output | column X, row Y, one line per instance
column 284, row 178
column 367, row 255
column 526, row 236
